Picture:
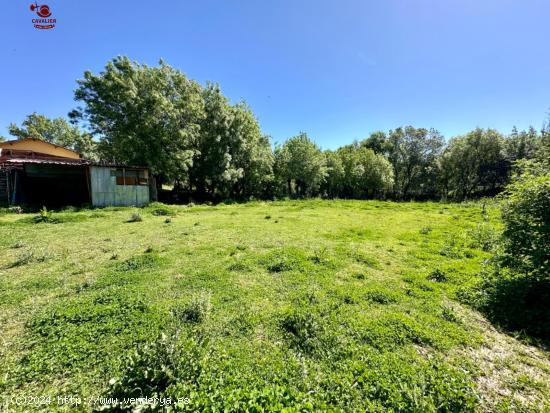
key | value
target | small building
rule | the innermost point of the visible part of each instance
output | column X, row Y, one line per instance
column 35, row 172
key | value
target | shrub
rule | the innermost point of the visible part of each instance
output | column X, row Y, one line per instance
column 321, row 256
column 390, row 333
column 22, row 259
column 160, row 209
column 139, row 262
column 26, row 257
column 526, row 217
column 452, row 247
column 18, row 244
column 448, row 313
column 514, row 301
column 425, row 230
column 359, row 276
column 286, row 259
column 515, row 290
column 394, row 383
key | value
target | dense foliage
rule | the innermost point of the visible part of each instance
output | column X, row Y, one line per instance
column 515, row 291
column 301, row 165
column 354, row 171
column 142, row 115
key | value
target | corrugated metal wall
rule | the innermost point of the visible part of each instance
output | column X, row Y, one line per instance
column 105, row 191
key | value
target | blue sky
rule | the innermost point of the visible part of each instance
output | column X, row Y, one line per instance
column 334, row 69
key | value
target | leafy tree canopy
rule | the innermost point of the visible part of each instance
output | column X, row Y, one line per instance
column 299, row 162
column 57, row 131
column 142, row 115
column 413, row 153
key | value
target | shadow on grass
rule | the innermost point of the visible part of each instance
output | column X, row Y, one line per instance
column 518, row 305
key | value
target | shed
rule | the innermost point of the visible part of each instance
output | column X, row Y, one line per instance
column 35, row 172
column 119, row 185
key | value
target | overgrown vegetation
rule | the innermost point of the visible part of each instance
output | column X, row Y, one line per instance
column 515, row 289
column 327, row 306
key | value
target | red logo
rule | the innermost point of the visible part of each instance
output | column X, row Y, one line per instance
column 43, row 11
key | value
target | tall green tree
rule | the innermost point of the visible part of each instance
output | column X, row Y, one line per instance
column 233, row 158
column 522, row 144
column 473, row 165
column 365, row 174
column 301, row 165
column 413, row 153
column 143, row 115
column 378, row 142
column 254, row 156
column 57, row 131
column 213, row 165
column 333, row 184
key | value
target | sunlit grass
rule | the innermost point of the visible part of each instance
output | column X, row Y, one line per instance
column 324, row 305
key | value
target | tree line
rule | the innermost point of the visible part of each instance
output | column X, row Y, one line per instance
column 194, row 139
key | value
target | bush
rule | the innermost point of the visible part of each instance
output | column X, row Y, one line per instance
column 19, row 244
column 139, row 262
column 425, row 230
column 526, row 216
column 381, row 297
column 515, row 290
column 160, row 209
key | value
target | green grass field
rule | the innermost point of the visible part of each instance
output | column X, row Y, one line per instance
column 296, row 305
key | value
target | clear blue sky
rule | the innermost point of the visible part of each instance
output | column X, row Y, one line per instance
column 334, row 69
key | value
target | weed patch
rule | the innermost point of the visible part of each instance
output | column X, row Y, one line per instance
column 305, row 332
column 79, row 331
column 438, row 276
column 483, row 237
column 287, row 259
column 145, row 261
column 393, row 332
column 195, row 311
column 381, row 297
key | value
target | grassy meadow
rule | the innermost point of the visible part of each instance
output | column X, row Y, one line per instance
column 265, row 306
